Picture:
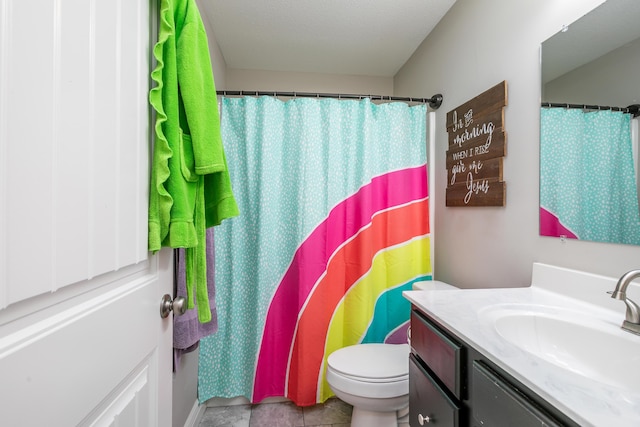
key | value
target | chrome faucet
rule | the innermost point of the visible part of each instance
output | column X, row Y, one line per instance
column 632, row 318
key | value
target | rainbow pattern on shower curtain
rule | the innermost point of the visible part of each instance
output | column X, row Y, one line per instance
column 375, row 251
column 333, row 227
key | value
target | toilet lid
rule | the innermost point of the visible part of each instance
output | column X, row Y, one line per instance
column 386, row 362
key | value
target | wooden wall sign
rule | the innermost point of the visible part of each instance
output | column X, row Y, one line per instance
column 477, row 144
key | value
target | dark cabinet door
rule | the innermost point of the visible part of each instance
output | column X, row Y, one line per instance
column 439, row 352
column 496, row 403
column 429, row 404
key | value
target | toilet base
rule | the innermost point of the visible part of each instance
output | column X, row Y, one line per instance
column 364, row 418
column 403, row 416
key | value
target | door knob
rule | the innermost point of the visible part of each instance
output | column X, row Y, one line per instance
column 422, row 419
column 178, row 306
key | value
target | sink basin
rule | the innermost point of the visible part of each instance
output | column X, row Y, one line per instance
column 583, row 344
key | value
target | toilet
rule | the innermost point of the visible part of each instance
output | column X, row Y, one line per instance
column 374, row 378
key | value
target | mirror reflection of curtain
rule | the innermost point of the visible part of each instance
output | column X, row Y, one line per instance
column 587, row 176
column 333, row 226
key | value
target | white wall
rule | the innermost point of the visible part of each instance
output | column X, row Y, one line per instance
column 478, row 44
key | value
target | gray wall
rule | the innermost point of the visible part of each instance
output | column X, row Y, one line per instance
column 307, row 82
column 611, row 80
column 478, row 44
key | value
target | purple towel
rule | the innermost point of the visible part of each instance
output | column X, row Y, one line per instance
column 187, row 330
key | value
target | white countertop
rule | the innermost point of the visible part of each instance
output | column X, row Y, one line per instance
column 585, row 400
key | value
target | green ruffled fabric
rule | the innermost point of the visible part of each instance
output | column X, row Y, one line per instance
column 190, row 184
column 160, row 201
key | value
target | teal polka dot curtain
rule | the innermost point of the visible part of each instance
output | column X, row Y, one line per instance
column 333, row 227
column 587, row 176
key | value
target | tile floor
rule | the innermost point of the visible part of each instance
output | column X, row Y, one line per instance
column 332, row 413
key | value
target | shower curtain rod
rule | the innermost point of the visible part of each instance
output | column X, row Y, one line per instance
column 434, row 102
column 631, row 109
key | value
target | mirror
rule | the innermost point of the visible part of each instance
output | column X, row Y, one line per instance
column 590, row 64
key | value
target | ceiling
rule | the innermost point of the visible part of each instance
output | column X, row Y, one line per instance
column 355, row 37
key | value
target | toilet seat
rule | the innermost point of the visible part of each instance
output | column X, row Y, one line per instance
column 370, row 370
column 372, row 362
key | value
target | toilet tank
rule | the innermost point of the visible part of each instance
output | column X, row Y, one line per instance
column 431, row 285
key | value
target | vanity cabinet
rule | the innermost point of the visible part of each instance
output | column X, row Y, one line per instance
column 496, row 402
column 452, row 385
column 429, row 403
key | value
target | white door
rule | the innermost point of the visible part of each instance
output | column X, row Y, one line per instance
column 81, row 338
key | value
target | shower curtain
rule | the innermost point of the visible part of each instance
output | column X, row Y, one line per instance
column 587, row 176
column 334, row 225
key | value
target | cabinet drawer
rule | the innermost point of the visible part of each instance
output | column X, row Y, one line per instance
column 428, row 403
column 496, row 403
column 441, row 354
